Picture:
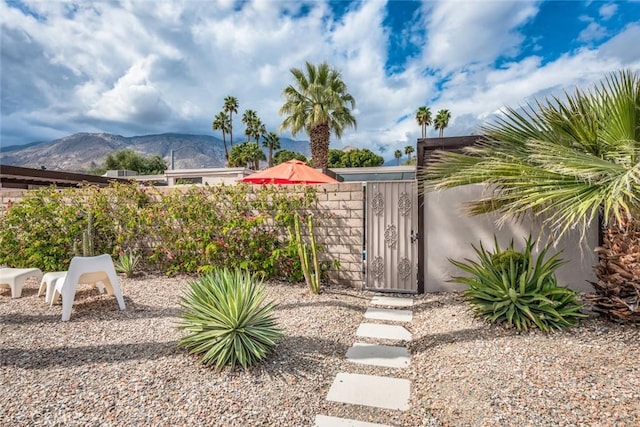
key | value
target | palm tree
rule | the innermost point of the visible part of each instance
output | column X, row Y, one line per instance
column 259, row 129
column 318, row 104
column 230, row 107
column 397, row 154
column 408, row 150
column 441, row 121
column 423, row 117
column 568, row 160
column 247, row 154
column 272, row 142
column 221, row 123
column 251, row 122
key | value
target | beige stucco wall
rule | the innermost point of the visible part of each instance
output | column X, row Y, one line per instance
column 449, row 233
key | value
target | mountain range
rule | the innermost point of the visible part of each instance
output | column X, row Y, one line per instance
column 81, row 152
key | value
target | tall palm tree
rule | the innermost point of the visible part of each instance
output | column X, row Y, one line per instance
column 408, row 150
column 441, row 121
column 568, row 160
column 259, row 129
column 221, row 123
column 272, row 142
column 423, row 117
column 230, row 107
column 397, row 154
column 318, row 104
column 251, row 121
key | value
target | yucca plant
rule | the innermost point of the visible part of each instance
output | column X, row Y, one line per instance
column 226, row 320
column 127, row 263
column 513, row 287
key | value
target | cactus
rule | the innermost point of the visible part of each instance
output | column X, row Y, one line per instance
column 87, row 239
column 312, row 278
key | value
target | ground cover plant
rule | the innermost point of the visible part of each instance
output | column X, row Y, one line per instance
column 188, row 230
column 515, row 288
column 226, row 319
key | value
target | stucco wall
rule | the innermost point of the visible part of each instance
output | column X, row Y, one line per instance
column 449, row 233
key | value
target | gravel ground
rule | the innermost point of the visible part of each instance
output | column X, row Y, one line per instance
column 112, row 368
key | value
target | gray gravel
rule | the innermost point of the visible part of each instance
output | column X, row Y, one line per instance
column 112, row 368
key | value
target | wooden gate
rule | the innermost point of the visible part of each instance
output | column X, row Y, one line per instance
column 391, row 223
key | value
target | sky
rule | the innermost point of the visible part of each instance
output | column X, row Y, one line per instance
column 136, row 67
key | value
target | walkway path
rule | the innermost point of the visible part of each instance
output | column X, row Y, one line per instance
column 370, row 390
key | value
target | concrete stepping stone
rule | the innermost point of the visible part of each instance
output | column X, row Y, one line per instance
column 392, row 301
column 326, row 421
column 388, row 332
column 370, row 390
column 392, row 314
column 379, row 355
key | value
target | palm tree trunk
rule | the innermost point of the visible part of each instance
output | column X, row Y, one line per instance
column 230, row 131
column 270, row 155
column 618, row 288
column 319, row 136
column 226, row 152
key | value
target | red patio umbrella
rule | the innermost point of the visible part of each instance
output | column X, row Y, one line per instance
column 290, row 172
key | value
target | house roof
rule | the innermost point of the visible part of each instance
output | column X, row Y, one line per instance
column 19, row 177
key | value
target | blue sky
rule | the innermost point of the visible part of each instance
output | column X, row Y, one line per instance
column 141, row 67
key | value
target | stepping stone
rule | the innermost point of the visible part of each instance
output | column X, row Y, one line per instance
column 325, row 421
column 392, row 301
column 388, row 332
column 392, row 314
column 379, row 355
column 370, row 390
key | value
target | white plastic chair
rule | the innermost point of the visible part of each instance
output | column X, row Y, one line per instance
column 14, row 278
column 86, row 270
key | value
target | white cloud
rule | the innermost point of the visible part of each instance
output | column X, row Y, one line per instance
column 607, row 11
column 134, row 97
column 462, row 33
column 592, row 32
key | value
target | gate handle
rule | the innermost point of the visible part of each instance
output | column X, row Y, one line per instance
column 414, row 236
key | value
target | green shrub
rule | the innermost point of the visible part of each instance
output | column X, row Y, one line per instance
column 514, row 288
column 186, row 230
column 226, row 320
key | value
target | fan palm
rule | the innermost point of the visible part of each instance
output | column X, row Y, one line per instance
column 247, row 154
column 253, row 125
column 318, row 104
column 221, row 122
column 272, row 142
column 408, row 150
column 423, row 117
column 230, row 107
column 397, row 154
column 568, row 160
column 441, row 121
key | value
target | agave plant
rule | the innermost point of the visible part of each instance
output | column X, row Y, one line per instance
column 127, row 263
column 514, row 288
column 226, row 320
